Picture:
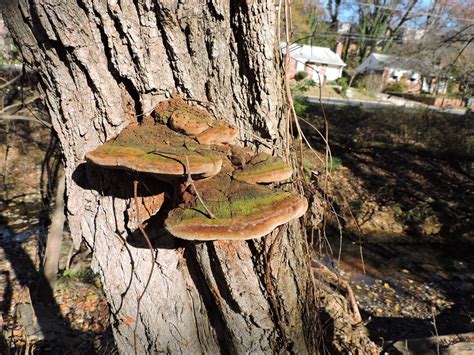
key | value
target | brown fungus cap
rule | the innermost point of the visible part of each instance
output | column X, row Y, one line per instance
column 240, row 156
column 242, row 211
column 219, row 134
column 154, row 148
column 186, row 122
column 194, row 122
column 165, row 109
column 264, row 169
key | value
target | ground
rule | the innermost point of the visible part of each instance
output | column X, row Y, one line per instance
column 416, row 242
column 408, row 237
column 78, row 319
column 330, row 91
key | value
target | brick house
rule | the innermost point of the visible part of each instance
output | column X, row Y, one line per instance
column 392, row 69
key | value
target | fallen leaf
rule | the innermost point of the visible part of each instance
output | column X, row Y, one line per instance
column 92, row 297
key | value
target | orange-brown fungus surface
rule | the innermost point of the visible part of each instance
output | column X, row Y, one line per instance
column 242, row 211
column 154, row 148
column 194, row 122
column 264, row 169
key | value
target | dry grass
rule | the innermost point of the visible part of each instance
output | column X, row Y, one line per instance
column 329, row 91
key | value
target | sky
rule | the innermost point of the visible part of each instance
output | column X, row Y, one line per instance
column 348, row 9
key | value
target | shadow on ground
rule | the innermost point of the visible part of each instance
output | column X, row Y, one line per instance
column 419, row 280
column 28, row 301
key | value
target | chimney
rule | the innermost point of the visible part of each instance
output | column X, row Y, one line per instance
column 339, row 47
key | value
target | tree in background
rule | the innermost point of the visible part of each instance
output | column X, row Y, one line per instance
column 380, row 22
column 446, row 48
column 309, row 25
column 333, row 7
column 304, row 18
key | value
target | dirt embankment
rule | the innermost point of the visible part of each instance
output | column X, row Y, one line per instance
column 404, row 189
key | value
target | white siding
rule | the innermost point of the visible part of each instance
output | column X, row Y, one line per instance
column 327, row 72
column 333, row 73
column 299, row 66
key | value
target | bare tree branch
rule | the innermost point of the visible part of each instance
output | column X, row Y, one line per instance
column 8, row 83
column 4, row 117
column 25, row 102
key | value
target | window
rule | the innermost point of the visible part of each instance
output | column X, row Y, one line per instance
column 396, row 75
column 414, row 77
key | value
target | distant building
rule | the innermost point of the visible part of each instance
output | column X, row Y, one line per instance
column 410, row 34
column 319, row 62
column 348, row 43
column 392, row 69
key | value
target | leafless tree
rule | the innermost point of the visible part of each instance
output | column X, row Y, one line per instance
column 333, row 7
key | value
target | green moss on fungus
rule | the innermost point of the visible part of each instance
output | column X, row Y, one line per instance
column 154, row 148
column 244, row 211
column 237, row 207
column 262, row 169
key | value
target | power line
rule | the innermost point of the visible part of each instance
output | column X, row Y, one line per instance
column 418, row 13
column 359, row 37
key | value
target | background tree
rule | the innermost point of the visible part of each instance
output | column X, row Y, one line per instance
column 309, row 25
column 333, row 7
column 446, row 48
column 104, row 65
column 380, row 22
column 304, row 18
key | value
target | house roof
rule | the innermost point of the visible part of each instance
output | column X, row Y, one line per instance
column 377, row 61
column 306, row 53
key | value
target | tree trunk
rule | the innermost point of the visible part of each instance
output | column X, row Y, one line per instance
column 105, row 64
column 55, row 237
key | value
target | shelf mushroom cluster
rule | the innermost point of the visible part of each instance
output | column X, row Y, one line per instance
column 180, row 143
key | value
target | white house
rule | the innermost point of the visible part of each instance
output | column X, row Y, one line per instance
column 392, row 69
column 379, row 62
column 318, row 62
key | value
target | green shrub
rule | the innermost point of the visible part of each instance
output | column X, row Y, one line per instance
column 344, row 84
column 301, row 105
column 398, row 87
column 358, row 82
column 85, row 275
column 298, row 92
column 301, row 75
column 301, row 87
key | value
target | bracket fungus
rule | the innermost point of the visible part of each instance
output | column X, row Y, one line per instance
column 263, row 169
column 194, row 122
column 154, row 148
column 242, row 211
column 219, row 197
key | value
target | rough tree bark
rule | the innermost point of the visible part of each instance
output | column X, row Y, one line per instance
column 105, row 64
column 55, row 237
